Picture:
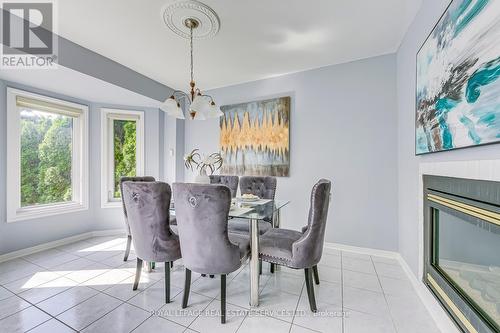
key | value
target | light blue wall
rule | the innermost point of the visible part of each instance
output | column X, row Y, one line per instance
column 408, row 163
column 343, row 127
column 22, row 234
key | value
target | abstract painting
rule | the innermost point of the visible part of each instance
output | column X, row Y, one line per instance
column 255, row 138
column 458, row 79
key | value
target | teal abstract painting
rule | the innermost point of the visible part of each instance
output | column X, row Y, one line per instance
column 458, row 79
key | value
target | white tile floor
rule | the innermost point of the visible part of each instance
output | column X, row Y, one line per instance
column 86, row 286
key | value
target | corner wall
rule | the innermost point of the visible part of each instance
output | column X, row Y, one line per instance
column 343, row 127
column 408, row 163
column 23, row 234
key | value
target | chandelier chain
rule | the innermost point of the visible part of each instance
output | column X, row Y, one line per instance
column 191, row 46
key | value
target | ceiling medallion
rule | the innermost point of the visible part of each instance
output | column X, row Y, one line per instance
column 176, row 13
column 191, row 19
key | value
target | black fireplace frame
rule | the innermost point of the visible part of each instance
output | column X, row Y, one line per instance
column 439, row 192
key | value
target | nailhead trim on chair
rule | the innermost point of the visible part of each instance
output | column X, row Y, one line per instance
column 275, row 260
column 273, row 257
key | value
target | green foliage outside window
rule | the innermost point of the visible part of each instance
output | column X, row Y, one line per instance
column 46, row 154
column 124, row 143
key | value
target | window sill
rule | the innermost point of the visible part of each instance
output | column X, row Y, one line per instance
column 30, row 213
column 111, row 204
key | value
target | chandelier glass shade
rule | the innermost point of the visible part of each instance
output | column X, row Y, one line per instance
column 199, row 106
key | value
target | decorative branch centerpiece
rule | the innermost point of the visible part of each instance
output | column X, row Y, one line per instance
column 204, row 164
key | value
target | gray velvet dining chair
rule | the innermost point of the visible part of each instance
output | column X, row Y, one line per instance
column 127, row 226
column 264, row 188
column 229, row 181
column 301, row 250
column 148, row 209
column 207, row 248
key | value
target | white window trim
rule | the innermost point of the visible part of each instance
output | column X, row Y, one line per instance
column 107, row 159
column 80, row 167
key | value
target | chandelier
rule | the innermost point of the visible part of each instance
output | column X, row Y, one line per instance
column 198, row 105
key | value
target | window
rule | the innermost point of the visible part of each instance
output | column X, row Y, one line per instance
column 122, row 151
column 47, row 147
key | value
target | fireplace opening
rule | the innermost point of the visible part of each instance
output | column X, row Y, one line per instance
column 462, row 249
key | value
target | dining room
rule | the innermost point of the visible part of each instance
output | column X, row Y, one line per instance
column 228, row 166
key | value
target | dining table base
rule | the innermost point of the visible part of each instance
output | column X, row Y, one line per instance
column 254, row 262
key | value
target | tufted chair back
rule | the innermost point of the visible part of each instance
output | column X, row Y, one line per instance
column 263, row 187
column 229, row 181
column 131, row 179
column 202, row 212
column 148, row 208
column 307, row 251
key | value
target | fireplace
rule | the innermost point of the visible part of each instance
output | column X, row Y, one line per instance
column 462, row 249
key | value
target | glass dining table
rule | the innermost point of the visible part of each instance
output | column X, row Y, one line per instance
column 254, row 211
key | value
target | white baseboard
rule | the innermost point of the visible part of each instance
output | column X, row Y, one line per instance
column 59, row 242
column 362, row 250
column 110, row 232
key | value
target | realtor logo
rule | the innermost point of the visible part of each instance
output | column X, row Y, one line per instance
column 28, row 37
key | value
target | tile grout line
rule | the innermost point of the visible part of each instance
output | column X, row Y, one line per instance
column 55, row 317
column 142, row 322
column 51, row 317
column 191, row 323
column 50, row 270
column 267, row 315
column 212, row 299
column 246, row 310
column 100, row 316
column 96, row 290
column 342, row 288
column 296, row 307
column 25, row 276
column 40, row 309
column 239, row 326
column 385, row 298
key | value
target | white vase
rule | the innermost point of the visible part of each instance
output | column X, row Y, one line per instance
column 202, row 178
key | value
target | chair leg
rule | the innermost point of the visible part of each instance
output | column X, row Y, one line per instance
column 167, row 282
column 310, row 290
column 127, row 250
column 260, row 266
column 316, row 274
column 187, row 285
column 138, row 270
column 223, row 298
column 271, row 268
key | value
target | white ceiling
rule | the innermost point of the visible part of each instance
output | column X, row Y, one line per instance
column 68, row 82
column 257, row 39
